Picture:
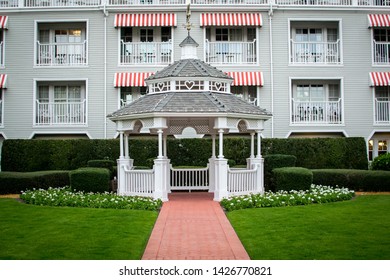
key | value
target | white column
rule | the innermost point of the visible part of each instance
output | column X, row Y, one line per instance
column 127, row 146
column 252, row 145
column 165, row 145
column 121, row 152
column 220, row 155
column 213, row 146
column 258, row 144
column 160, row 144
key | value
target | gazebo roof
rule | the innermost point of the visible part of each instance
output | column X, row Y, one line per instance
column 189, row 102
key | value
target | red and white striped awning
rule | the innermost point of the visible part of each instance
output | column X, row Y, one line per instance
column 3, row 22
column 131, row 79
column 378, row 79
column 375, row 20
column 127, row 20
column 230, row 19
column 3, row 80
column 247, row 78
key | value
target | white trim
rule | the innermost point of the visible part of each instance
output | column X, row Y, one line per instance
column 2, row 134
column 59, row 132
column 317, row 131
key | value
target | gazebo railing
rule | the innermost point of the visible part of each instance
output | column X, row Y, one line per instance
column 242, row 181
column 189, row 178
column 139, row 182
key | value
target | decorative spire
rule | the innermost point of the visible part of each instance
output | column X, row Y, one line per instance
column 188, row 45
column 188, row 24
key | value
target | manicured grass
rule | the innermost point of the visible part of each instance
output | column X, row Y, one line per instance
column 31, row 232
column 351, row 230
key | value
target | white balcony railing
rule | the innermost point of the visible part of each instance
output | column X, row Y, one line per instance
column 146, row 52
column 333, row 2
column 1, row 53
column 1, row 112
column 381, row 52
column 230, row 52
column 318, row 112
column 60, row 113
column 382, row 111
column 183, row 2
column 62, row 54
column 319, row 52
column 61, row 3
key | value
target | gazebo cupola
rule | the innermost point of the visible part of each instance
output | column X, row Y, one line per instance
column 189, row 93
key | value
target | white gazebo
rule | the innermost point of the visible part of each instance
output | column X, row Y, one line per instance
column 190, row 93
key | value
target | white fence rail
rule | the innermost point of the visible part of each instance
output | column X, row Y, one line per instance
column 382, row 111
column 139, row 182
column 381, row 52
column 62, row 54
column 319, row 52
column 60, row 113
column 325, row 112
column 230, row 52
column 146, row 52
column 243, row 181
column 189, row 179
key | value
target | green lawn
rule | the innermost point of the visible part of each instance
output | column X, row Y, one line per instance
column 31, row 232
column 351, row 230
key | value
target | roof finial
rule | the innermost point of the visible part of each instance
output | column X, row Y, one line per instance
column 188, row 16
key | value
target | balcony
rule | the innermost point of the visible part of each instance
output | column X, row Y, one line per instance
column 315, row 53
column 183, row 2
column 230, row 52
column 62, row 54
column 382, row 112
column 146, row 53
column 381, row 53
column 60, row 113
column 319, row 112
column 333, row 2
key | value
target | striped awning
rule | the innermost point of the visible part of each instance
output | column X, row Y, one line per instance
column 230, row 19
column 247, row 78
column 3, row 80
column 3, row 22
column 127, row 20
column 375, row 20
column 131, row 79
column 380, row 79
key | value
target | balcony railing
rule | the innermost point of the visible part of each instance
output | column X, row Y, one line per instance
column 230, row 52
column 318, row 52
column 1, row 53
column 1, row 112
column 146, row 53
column 319, row 112
column 60, row 113
column 381, row 52
column 62, row 54
column 333, row 2
column 382, row 111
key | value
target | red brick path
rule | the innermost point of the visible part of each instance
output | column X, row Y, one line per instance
column 191, row 226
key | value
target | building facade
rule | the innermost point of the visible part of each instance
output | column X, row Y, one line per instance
column 320, row 66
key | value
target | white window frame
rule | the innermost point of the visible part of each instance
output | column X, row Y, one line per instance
column 2, row 95
column 372, row 49
column 138, row 95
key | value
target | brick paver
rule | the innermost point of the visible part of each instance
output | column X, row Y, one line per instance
column 191, row 226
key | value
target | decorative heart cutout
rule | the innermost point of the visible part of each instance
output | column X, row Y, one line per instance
column 189, row 84
column 218, row 86
column 160, row 86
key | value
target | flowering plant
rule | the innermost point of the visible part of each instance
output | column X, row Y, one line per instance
column 316, row 194
column 66, row 197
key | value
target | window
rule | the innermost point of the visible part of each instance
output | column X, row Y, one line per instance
column 382, row 105
column 382, row 34
column 248, row 93
column 1, row 47
column 381, row 45
column 130, row 94
column 382, row 147
column 1, row 107
column 146, row 35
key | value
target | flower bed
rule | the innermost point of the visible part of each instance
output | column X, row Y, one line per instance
column 316, row 194
column 66, row 197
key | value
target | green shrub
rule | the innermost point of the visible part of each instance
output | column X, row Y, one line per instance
column 358, row 180
column 381, row 162
column 103, row 163
column 15, row 182
column 275, row 161
column 90, row 179
column 292, row 178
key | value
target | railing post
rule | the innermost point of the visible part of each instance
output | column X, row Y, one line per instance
column 221, row 180
column 161, row 179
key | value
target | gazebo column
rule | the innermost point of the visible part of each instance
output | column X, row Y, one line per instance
column 252, row 155
column 212, row 165
column 221, row 172
column 258, row 161
column 124, row 162
column 161, row 169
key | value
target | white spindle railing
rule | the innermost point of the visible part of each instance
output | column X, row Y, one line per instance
column 310, row 112
column 243, row 181
column 182, row 2
column 61, row 3
column 315, row 52
column 382, row 111
column 60, row 113
column 62, row 54
column 230, row 52
column 381, row 52
column 139, row 182
column 316, row 2
column 189, row 179
column 146, row 52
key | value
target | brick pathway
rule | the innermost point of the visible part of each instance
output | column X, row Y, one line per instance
column 191, row 226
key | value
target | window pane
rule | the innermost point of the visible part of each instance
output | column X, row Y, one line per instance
column 382, row 93
column 221, row 34
column 127, row 34
column 332, row 35
column 74, row 93
column 43, row 94
column 334, row 92
column 165, row 34
column 235, row 35
column 60, row 94
column 251, row 34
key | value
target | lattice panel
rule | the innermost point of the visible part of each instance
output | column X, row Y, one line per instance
column 177, row 126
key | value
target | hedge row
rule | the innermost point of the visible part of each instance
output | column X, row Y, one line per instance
column 315, row 153
column 292, row 178
column 275, row 161
column 90, row 179
column 15, row 182
column 358, row 180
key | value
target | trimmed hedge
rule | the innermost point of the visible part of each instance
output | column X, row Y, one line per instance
column 275, row 161
column 15, row 182
column 358, row 180
column 90, row 179
column 313, row 153
column 292, row 178
column 381, row 162
column 104, row 163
